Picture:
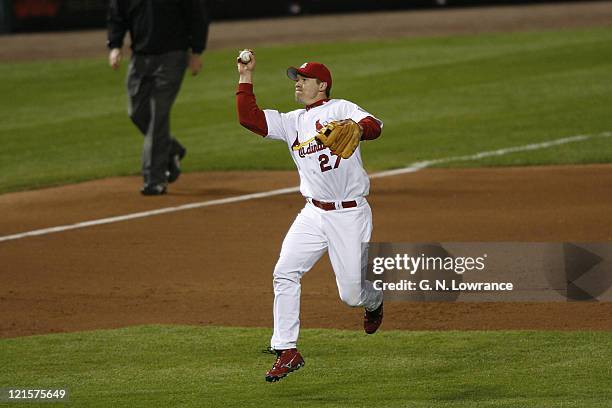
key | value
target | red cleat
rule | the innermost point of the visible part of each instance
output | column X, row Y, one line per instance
column 373, row 320
column 287, row 361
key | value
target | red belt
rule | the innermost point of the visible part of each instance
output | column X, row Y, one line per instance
column 332, row 206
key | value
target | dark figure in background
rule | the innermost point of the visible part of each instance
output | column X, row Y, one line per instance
column 167, row 37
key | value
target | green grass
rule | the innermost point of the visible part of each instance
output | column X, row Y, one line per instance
column 66, row 121
column 161, row 366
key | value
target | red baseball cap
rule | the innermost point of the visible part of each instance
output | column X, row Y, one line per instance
column 311, row 70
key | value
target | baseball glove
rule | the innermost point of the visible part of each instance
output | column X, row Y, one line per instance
column 342, row 137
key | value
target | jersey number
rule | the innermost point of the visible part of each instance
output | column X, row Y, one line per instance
column 324, row 160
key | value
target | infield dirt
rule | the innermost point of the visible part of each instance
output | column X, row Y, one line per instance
column 213, row 266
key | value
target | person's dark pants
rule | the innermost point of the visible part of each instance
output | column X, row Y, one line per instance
column 153, row 82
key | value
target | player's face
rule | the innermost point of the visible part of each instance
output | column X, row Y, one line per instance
column 308, row 90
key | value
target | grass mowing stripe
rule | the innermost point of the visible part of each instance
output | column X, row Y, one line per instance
column 66, row 121
column 220, row 367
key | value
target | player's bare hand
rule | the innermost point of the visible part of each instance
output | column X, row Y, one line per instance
column 195, row 64
column 114, row 58
column 244, row 68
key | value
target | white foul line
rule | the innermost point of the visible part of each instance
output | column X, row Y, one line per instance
column 477, row 156
column 414, row 167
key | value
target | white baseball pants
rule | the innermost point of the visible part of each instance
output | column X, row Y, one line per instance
column 341, row 232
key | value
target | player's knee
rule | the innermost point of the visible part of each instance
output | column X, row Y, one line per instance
column 351, row 298
column 282, row 273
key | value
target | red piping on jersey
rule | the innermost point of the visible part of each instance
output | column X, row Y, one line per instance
column 254, row 119
column 317, row 103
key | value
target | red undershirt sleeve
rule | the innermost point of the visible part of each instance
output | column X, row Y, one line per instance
column 371, row 128
column 249, row 114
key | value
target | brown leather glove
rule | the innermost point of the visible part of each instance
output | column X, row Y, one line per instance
column 342, row 137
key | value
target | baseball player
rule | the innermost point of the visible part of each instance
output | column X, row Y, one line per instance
column 323, row 140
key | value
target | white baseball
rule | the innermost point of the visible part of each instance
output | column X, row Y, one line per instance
column 245, row 56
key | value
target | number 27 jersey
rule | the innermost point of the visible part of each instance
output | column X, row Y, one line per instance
column 323, row 176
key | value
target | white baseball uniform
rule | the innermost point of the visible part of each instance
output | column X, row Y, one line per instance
column 342, row 231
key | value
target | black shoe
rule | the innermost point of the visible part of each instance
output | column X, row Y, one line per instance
column 153, row 189
column 174, row 165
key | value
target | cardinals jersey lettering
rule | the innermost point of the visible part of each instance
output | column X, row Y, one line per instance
column 323, row 176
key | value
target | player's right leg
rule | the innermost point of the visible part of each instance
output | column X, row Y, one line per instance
column 348, row 232
column 303, row 246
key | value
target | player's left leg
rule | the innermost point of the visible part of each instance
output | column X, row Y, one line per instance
column 303, row 245
column 347, row 231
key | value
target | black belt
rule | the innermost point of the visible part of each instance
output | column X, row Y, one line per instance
column 332, row 206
